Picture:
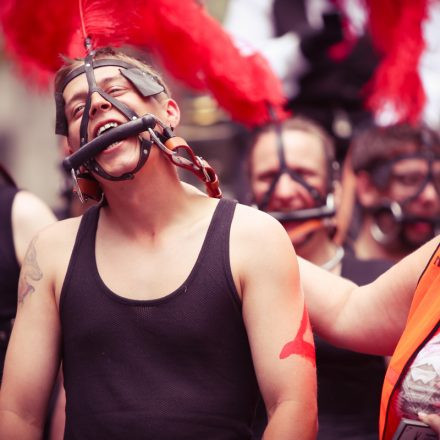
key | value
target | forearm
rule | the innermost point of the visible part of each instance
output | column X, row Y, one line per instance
column 14, row 427
column 370, row 318
column 290, row 421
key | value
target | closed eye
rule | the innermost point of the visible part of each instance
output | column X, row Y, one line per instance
column 115, row 90
column 267, row 176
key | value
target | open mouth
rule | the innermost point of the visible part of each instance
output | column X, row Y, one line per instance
column 106, row 128
column 420, row 228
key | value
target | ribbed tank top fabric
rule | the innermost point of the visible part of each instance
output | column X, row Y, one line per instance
column 177, row 367
column 9, row 269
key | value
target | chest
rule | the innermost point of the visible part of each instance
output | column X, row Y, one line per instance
column 142, row 269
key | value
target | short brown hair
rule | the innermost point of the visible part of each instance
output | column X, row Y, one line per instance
column 301, row 123
column 71, row 64
column 378, row 144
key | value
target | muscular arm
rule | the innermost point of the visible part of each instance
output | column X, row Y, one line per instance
column 29, row 215
column 370, row 318
column 32, row 359
column 277, row 324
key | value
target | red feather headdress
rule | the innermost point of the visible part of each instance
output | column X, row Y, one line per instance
column 396, row 28
column 192, row 45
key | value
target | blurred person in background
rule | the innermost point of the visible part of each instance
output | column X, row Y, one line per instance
column 22, row 215
column 397, row 178
column 321, row 51
column 397, row 315
column 294, row 176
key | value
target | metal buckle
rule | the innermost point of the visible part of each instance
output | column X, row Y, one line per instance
column 76, row 187
column 203, row 168
column 159, row 143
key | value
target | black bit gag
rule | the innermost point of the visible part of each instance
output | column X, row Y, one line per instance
column 95, row 146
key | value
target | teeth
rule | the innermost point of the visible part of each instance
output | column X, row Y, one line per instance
column 106, row 127
column 111, row 145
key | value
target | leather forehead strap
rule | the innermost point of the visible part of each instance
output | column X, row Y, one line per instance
column 96, row 63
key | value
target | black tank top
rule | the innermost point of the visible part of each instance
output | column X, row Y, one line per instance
column 177, row 367
column 350, row 383
column 9, row 269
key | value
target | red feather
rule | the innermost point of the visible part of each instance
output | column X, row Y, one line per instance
column 35, row 36
column 193, row 47
column 396, row 27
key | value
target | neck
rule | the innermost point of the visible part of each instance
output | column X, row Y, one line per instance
column 318, row 248
column 366, row 247
column 149, row 202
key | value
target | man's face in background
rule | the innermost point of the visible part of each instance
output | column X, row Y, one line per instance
column 304, row 154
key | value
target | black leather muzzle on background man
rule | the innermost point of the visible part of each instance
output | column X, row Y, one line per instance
column 144, row 83
column 382, row 174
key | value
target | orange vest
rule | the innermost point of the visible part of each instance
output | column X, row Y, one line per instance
column 423, row 321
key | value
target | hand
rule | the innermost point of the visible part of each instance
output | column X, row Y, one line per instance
column 433, row 420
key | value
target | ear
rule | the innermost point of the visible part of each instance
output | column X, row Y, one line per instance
column 367, row 193
column 69, row 149
column 172, row 112
column 64, row 145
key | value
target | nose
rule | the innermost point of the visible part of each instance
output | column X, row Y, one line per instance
column 98, row 103
column 289, row 192
column 285, row 187
column 429, row 194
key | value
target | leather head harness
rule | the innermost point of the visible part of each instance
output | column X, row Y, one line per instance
column 147, row 86
column 394, row 211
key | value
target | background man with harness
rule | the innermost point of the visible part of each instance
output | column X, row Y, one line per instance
column 398, row 189
column 397, row 315
column 294, row 177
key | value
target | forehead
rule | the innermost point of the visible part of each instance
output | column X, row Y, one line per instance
column 301, row 149
column 79, row 83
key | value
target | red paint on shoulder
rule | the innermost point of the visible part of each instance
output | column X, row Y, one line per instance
column 298, row 345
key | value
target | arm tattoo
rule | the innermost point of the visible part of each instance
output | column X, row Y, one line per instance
column 298, row 345
column 30, row 271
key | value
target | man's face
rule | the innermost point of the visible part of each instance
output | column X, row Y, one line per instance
column 407, row 177
column 122, row 156
column 304, row 155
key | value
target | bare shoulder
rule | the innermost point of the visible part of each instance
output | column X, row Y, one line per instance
column 258, row 228
column 51, row 249
column 29, row 215
column 259, row 248
column 58, row 237
column 25, row 202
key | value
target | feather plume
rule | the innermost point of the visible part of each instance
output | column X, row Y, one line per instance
column 35, row 35
column 396, row 27
column 193, row 46
column 195, row 49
